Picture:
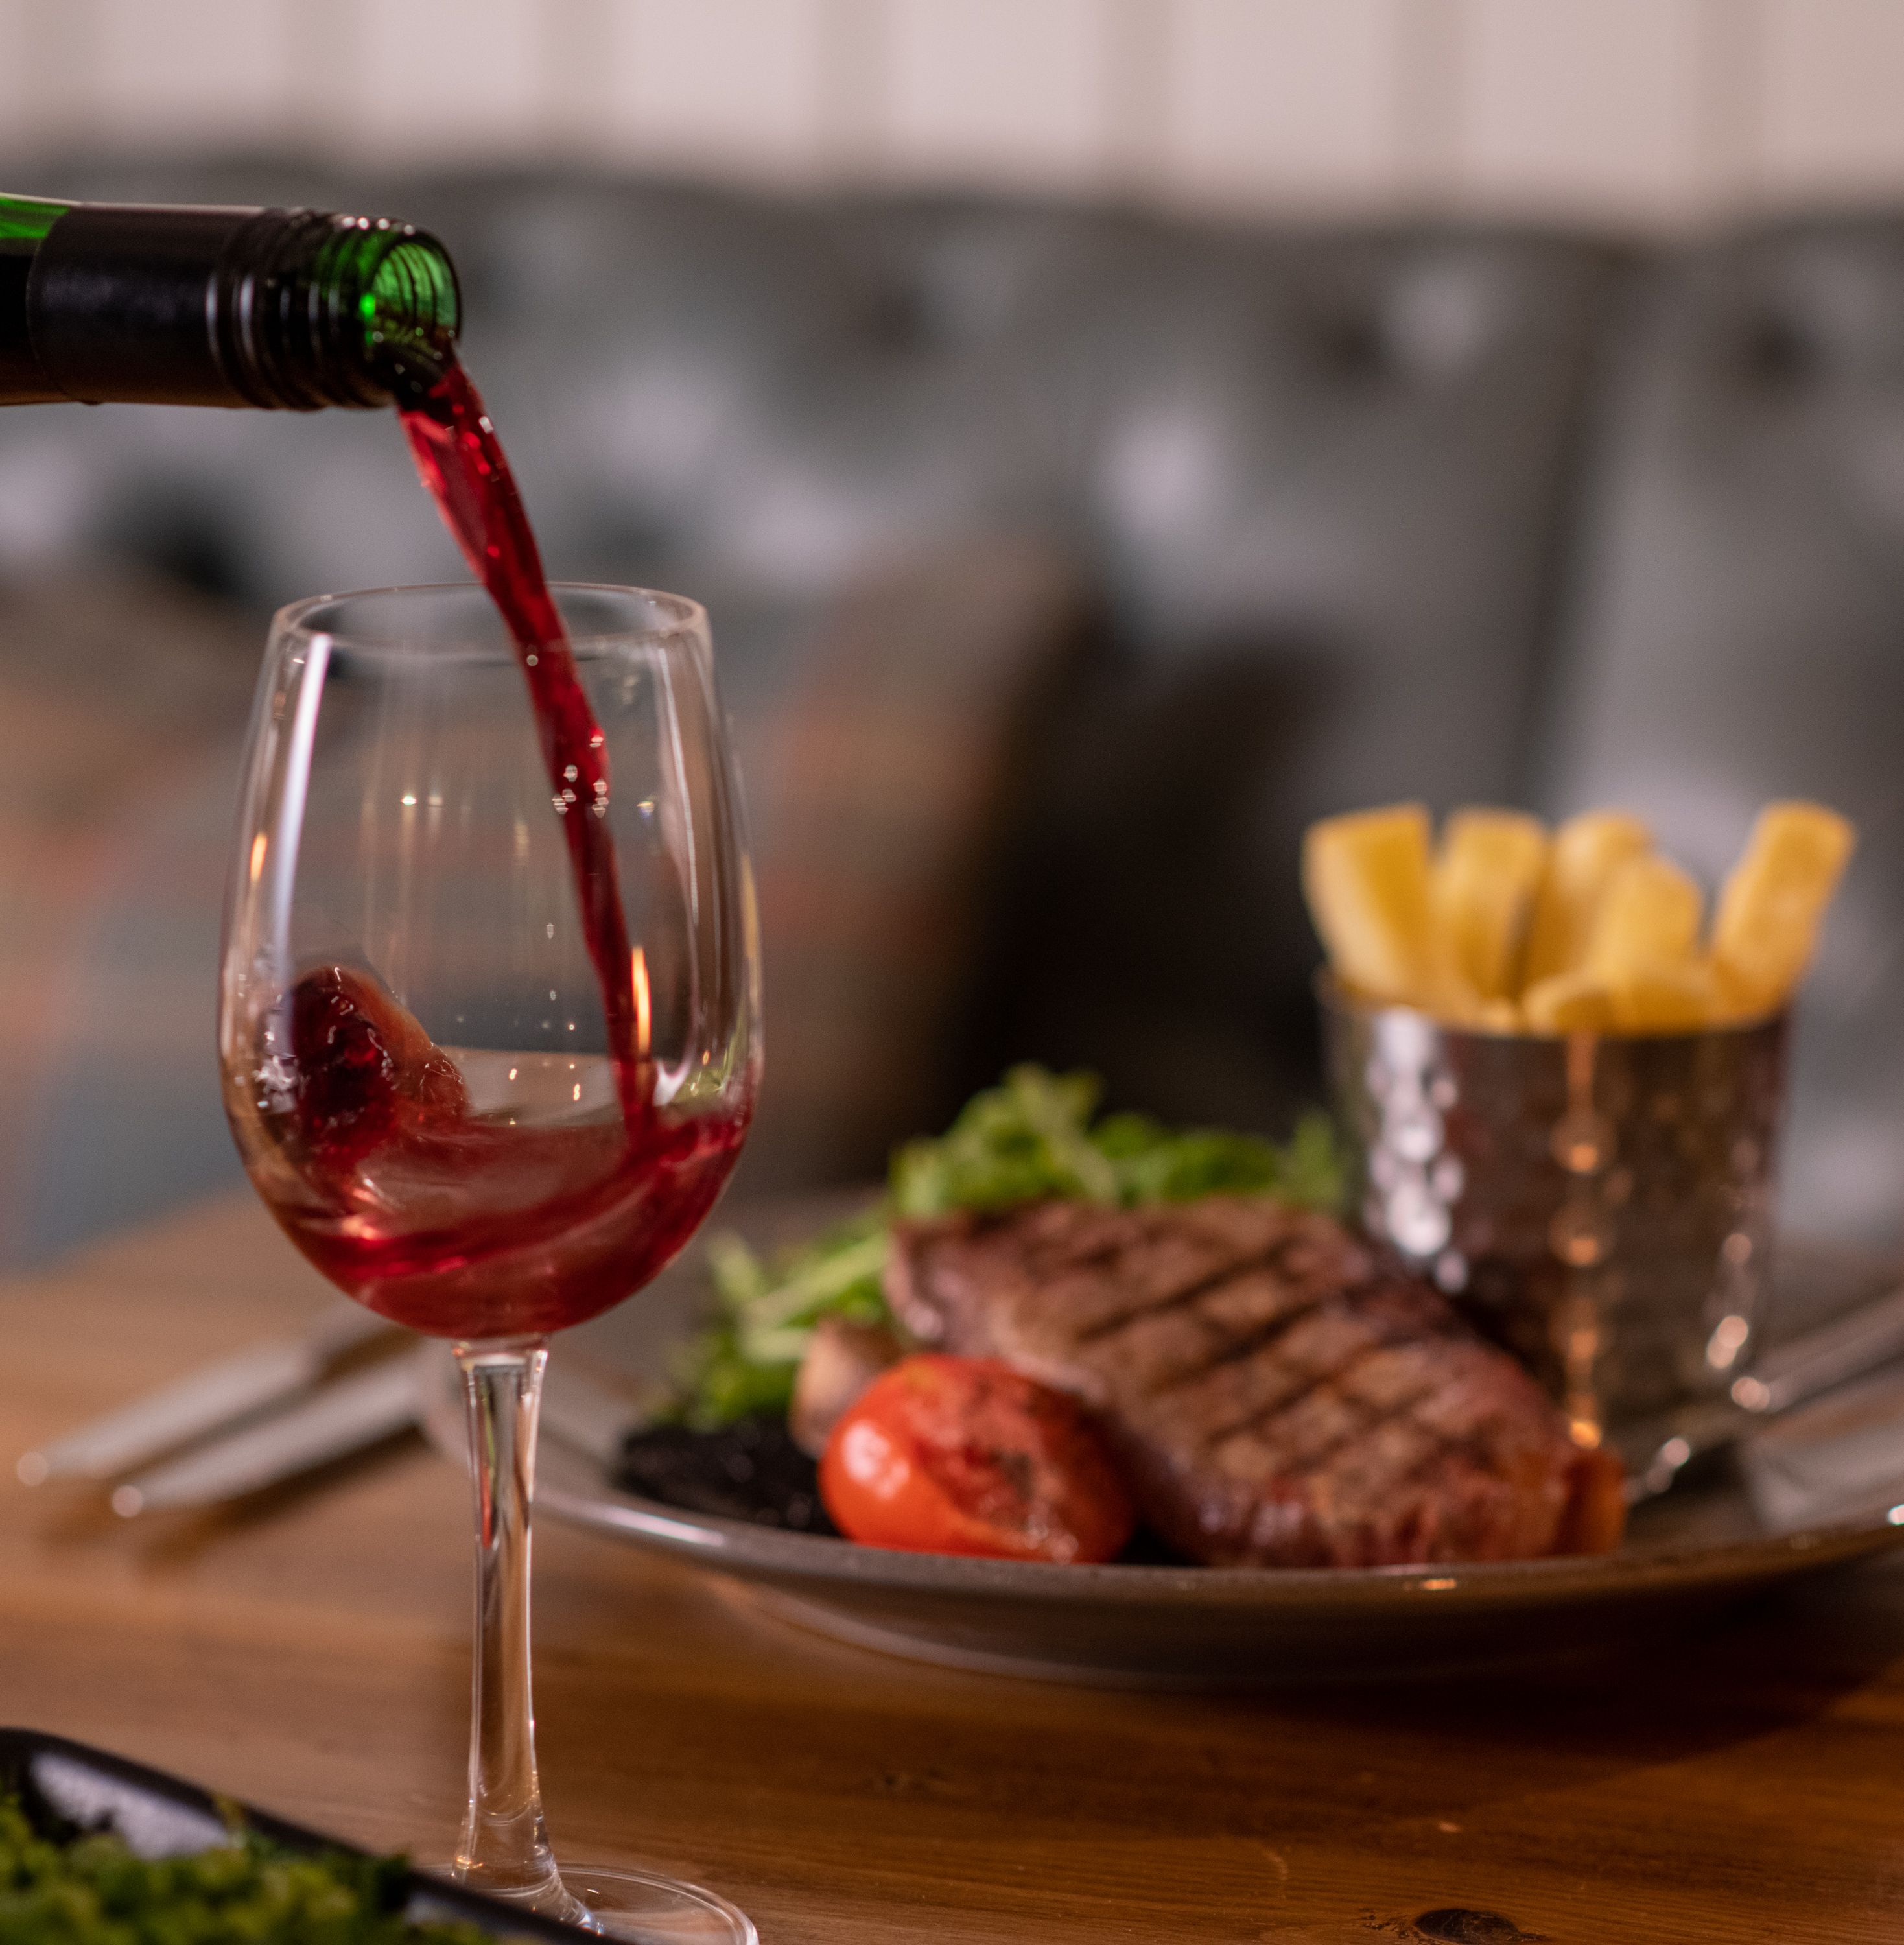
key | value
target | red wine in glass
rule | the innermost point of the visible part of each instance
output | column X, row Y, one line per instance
column 472, row 1225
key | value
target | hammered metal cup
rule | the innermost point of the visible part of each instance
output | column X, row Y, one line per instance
column 1601, row 1204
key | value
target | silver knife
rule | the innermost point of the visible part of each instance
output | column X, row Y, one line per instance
column 203, row 1402
column 1659, row 1451
column 355, row 1413
column 1834, row 1353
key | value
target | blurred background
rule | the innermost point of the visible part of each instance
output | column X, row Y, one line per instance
column 1652, row 113
column 1107, row 433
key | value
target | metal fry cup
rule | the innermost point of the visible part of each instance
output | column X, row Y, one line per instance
column 1601, row 1204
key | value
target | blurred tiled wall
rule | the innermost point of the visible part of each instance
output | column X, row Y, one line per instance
column 1638, row 111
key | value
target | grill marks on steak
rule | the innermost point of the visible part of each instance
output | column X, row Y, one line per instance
column 1278, row 1397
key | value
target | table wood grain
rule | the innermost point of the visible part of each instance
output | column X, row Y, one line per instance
column 309, row 1652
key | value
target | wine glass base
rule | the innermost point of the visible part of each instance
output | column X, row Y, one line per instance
column 649, row 1910
column 641, row 1907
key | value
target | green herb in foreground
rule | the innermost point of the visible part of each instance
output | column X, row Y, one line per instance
column 1030, row 1137
column 92, row 1891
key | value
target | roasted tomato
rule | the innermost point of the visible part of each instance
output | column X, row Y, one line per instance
column 964, row 1455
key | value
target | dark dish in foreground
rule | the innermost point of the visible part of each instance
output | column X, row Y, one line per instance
column 62, row 1884
column 88, row 1814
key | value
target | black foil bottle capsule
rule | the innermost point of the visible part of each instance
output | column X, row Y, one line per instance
column 286, row 310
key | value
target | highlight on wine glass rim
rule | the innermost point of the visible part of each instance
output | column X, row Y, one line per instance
column 1504, row 926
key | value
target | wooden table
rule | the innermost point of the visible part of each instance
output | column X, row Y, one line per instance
column 310, row 1654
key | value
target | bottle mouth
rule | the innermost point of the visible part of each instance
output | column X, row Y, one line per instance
column 409, row 306
column 338, row 310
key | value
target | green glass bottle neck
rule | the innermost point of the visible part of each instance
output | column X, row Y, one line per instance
column 276, row 309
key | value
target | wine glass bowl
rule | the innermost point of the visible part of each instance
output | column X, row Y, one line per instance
column 403, row 880
column 489, row 1032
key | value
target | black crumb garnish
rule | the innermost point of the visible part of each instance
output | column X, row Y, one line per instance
column 750, row 1470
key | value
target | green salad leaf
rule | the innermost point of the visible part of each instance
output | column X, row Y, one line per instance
column 1031, row 1138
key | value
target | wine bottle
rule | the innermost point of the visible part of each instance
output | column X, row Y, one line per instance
column 287, row 309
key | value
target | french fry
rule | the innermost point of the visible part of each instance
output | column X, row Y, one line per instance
column 1585, row 852
column 1366, row 878
column 1606, row 933
column 1668, row 996
column 1567, row 1002
column 1649, row 917
column 1771, row 905
column 1480, row 892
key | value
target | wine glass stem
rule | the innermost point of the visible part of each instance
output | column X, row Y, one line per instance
column 505, row 1848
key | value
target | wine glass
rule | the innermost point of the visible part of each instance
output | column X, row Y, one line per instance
column 419, row 1066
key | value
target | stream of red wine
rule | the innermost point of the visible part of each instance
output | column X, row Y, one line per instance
column 447, row 1220
column 460, row 460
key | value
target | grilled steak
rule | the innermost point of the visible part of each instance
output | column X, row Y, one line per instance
column 1278, row 1397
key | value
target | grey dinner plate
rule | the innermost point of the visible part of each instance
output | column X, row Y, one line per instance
column 1817, row 1490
